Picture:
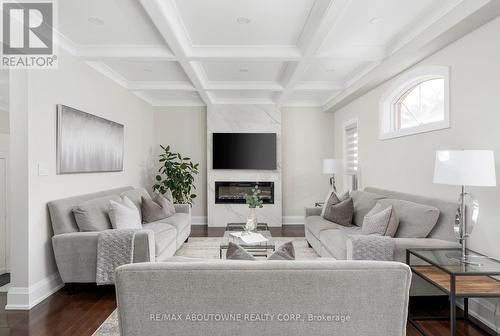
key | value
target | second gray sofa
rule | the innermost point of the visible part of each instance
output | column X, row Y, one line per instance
column 76, row 252
column 332, row 240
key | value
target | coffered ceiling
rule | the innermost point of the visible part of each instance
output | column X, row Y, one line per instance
column 285, row 52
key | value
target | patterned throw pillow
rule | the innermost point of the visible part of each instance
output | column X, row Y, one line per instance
column 381, row 220
column 340, row 213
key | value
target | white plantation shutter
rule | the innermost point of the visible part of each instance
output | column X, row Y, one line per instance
column 351, row 149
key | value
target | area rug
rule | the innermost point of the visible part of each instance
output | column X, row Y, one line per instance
column 208, row 248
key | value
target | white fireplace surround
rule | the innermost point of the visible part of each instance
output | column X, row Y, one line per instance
column 243, row 119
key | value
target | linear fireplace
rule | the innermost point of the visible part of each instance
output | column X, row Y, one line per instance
column 234, row 192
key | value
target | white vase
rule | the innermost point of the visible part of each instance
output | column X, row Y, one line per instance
column 251, row 224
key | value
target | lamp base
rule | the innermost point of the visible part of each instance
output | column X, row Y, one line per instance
column 465, row 259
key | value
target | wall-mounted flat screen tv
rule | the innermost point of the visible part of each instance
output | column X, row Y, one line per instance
column 244, row 151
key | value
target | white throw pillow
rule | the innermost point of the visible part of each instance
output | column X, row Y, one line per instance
column 124, row 215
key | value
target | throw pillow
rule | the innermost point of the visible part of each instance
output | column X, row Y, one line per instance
column 332, row 198
column 363, row 202
column 156, row 208
column 284, row 252
column 236, row 252
column 415, row 220
column 92, row 215
column 124, row 215
column 340, row 213
column 381, row 220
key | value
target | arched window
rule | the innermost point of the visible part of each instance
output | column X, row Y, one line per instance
column 416, row 102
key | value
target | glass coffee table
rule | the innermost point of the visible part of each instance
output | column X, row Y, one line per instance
column 455, row 279
column 258, row 250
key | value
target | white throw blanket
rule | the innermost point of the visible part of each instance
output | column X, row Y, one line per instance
column 114, row 248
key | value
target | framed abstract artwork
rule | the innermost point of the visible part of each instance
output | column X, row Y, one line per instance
column 87, row 143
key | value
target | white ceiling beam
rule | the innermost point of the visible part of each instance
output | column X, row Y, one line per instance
column 141, row 52
column 459, row 21
column 260, row 53
column 160, row 85
column 318, row 85
column 321, row 20
column 162, row 14
column 243, row 101
column 254, row 86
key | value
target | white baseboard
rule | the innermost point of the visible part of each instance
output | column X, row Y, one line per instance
column 199, row 220
column 25, row 298
column 293, row 220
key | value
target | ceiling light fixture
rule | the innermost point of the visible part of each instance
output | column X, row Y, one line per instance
column 243, row 70
column 147, row 70
column 243, row 20
column 376, row 20
column 330, row 70
column 95, row 21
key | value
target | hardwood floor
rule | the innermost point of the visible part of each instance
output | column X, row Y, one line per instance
column 82, row 312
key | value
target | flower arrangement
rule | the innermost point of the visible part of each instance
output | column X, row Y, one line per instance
column 252, row 199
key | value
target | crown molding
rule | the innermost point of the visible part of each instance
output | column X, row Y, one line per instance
column 108, row 72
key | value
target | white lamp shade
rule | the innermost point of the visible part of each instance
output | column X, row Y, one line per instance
column 332, row 166
column 465, row 167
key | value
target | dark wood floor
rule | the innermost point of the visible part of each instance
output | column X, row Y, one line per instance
column 80, row 313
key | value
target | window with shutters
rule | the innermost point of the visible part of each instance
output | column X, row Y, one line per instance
column 351, row 148
column 417, row 102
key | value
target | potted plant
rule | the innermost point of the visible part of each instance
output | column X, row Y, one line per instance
column 253, row 200
column 177, row 174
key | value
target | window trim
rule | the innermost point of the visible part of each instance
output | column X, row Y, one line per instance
column 398, row 88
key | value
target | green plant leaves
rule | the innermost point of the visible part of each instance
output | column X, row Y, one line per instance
column 177, row 174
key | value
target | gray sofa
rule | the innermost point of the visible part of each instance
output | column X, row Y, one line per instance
column 171, row 298
column 335, row 241
column 76, row 252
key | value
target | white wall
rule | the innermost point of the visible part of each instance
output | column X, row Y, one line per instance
column 77, row 85
column 185, row 130
column 307, row 139
column 406, row 164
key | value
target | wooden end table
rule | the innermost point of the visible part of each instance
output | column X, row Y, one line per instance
column 457, row 280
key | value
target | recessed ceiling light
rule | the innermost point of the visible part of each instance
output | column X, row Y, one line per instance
column 243, row 70
column 330, row 70
column 243, row 20
column 95, row 21
column 147, row 70
column 376, row 20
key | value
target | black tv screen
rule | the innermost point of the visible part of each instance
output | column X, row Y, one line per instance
column 244, row 151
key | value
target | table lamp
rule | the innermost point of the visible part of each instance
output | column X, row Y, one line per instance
column 464, row 168
column 332, row 167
